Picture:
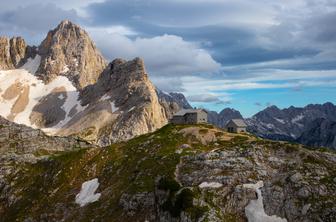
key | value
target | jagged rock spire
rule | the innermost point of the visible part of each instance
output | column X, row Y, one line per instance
column 13, row 52
column 68, row 50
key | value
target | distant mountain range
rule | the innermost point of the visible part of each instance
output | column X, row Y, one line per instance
column 320, row 132
column 312, row 125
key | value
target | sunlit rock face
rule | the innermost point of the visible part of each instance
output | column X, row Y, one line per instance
column 68, row 50
column 14, row 52
column 65, row 87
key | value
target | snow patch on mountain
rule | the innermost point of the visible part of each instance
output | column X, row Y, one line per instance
column 297, row 118
column 32, row 65
column 269, row 125
column 210, row 185
column 65, row 69
column 133, row 107
column 280, row 120
column 105, row 97
column 113, row 107
column 87, row 193
column 255, row 211
column 15, row 82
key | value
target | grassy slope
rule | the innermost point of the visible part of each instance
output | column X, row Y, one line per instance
column 130, row 167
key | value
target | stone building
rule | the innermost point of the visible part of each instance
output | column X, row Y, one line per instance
column 236, row 126
column 190, row 116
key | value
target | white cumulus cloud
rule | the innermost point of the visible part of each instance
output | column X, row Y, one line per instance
column 167, row 55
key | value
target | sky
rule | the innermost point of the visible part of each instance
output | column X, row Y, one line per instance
column 241, row 54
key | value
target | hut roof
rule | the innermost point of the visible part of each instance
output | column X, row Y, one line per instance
column 182, row 112
column 238, row 122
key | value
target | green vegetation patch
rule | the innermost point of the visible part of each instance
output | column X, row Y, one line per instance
column 239, row 139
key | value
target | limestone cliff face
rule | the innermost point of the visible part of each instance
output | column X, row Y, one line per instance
column 80, row 93
column 123, row 104
column 68, row 50
column 141, row 111
column 12, row 52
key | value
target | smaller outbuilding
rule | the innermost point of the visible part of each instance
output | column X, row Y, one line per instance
column 190, row 116
column 236, row 126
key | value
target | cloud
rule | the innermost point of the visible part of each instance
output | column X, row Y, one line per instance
column 182, row 13
column 206, row 98
column 235, row 32
column 64, row 4
column 223, row 102
column 37, row 17
column 168, row 84
column 258, row 104
column 33, row 21
column 166, row 55
column 276, row 79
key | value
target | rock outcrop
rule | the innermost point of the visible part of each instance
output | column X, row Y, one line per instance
column 14, row 52
column 20, row 139
column 172, row 176
column 131, row 101
column 68, row 50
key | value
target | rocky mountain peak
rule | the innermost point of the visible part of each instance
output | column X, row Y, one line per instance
column 65, row 28
column 13, row 52
column 68, row 50
column 172, row 102
column 269, row 112
column 272, row 108
column 220, row 119
column 230, row 111
column 133, row 70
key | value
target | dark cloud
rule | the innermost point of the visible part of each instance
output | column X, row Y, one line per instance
column 184, row 13
column 223, row 28
column 258, row 104
column 322, row 27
